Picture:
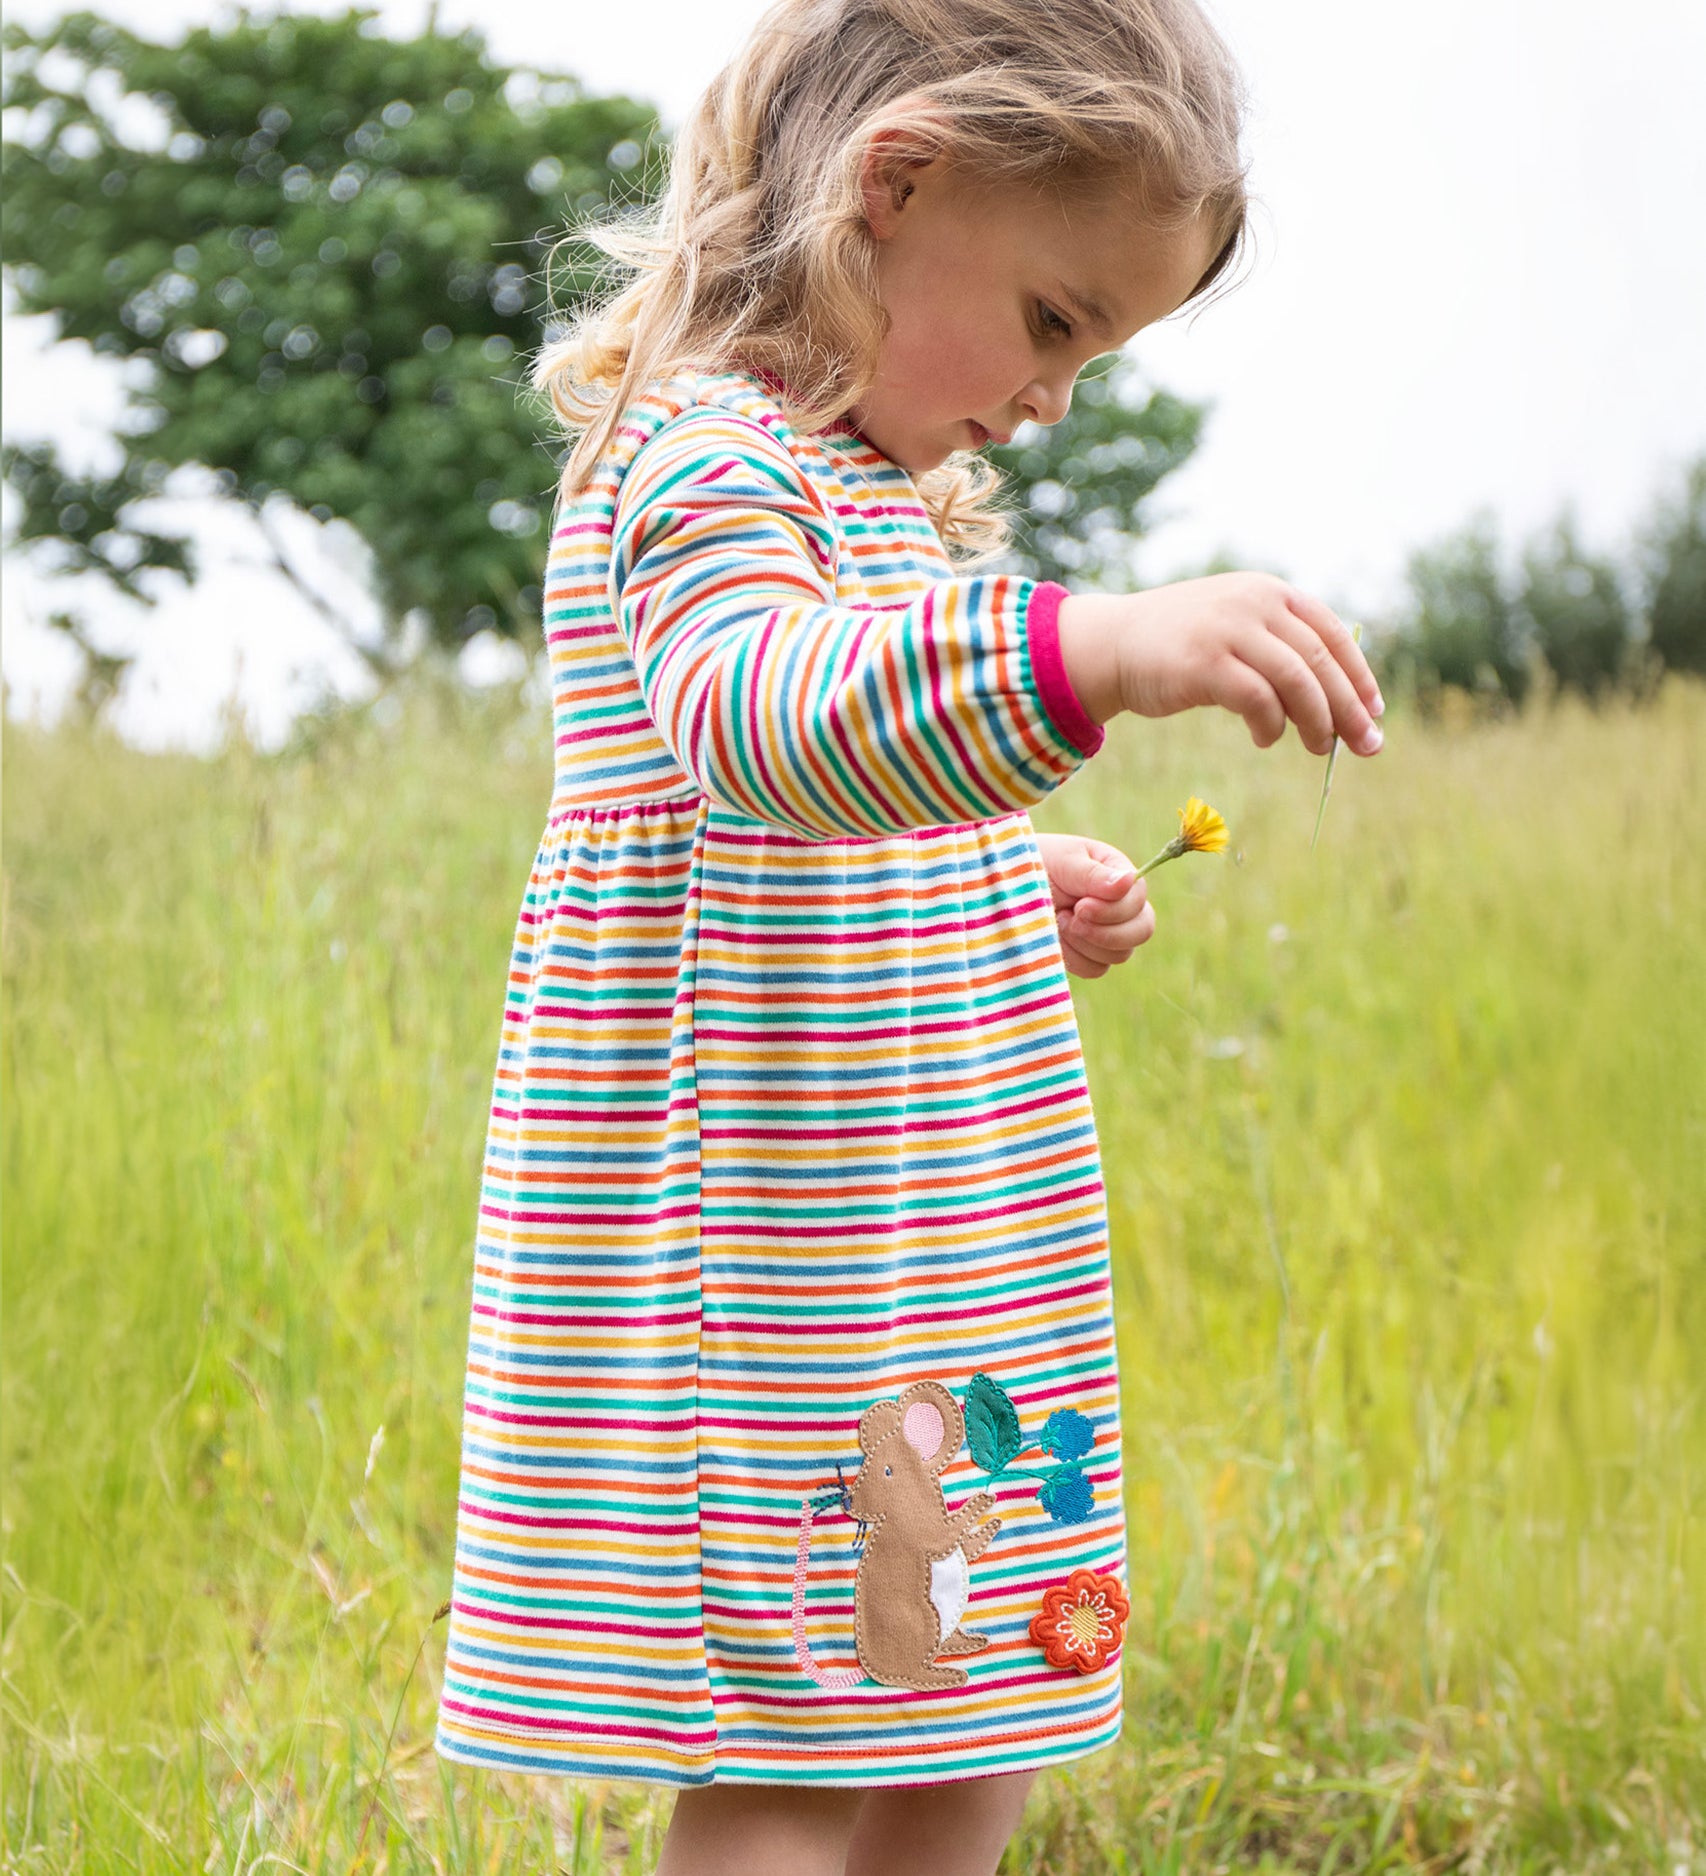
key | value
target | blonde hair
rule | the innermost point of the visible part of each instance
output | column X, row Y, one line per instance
column 758, row 253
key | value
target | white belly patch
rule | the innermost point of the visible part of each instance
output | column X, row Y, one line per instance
column 950, row 1589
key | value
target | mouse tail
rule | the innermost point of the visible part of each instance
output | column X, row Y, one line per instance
column 809, row 1665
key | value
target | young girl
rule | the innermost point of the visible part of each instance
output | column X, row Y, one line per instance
column 791, row 1452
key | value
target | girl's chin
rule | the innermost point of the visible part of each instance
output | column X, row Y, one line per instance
column 915, row 455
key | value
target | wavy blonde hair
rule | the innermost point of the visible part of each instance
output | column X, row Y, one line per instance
column 758, row 252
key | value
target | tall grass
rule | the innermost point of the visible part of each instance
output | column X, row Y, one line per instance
column 1404, row 1142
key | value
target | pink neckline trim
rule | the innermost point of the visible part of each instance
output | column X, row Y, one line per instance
column 845, row 428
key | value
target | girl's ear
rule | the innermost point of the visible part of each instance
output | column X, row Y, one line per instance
column 892, row 156
column 884, row 184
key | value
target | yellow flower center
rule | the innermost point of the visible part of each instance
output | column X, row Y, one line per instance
column 1085, row 1624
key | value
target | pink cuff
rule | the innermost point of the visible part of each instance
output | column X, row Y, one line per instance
column 1048, row 669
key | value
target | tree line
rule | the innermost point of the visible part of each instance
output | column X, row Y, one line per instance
column 1567, row 620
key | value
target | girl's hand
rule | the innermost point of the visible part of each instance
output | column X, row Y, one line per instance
column 1248, row 642
column 1101, row 907
column 1256, row 646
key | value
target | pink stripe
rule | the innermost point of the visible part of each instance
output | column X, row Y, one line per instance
column 924, row 926
column 852, row 1324
column 521, row 1215
column 1013, row 1722
column 879, row 1130
column 639, row 1631
column 551, row 1319
column 477, row 1409
column 787, row 837
column 1025, row 1397
column 537, row 1521
column 885, row 1032
column 750, row 1227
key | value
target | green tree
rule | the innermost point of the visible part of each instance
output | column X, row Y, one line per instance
column 326, row 248
column 323, row 244
column 1078, row 492
column 1673, row 548
column 1576, row 608
column 1463, row 628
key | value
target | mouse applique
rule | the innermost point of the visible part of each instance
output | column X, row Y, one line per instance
column 914, row 1576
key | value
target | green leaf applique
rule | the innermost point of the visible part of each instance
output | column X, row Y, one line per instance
column 992, row 1424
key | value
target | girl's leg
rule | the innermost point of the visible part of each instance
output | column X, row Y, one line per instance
column 758, row 1830
column 957, row 1829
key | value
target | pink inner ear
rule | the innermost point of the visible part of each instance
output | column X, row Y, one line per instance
column 924, row 1427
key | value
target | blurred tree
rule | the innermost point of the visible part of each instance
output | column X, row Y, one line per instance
column 322, row 243
column 1463, row 628
column 1580, row 618
column 1673, row 548
column 1077, row 493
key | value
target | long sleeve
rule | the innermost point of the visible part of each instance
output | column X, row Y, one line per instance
column 824, row 718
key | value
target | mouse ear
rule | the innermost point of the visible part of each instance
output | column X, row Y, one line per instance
column 932, row 1423
column 877, row 1422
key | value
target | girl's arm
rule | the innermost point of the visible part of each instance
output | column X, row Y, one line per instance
column 817, row 716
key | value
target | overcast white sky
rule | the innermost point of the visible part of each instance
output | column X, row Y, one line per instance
column 1480, row 280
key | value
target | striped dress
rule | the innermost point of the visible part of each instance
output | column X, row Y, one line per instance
column 791, row 1445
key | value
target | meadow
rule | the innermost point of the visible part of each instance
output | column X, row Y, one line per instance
column 1405, row 1144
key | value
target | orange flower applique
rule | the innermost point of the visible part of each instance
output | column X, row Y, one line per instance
column 1082, row 1621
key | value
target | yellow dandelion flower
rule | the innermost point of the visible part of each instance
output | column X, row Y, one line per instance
column 1201, row 830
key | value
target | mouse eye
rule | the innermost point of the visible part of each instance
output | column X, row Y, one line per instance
column 888, row 1472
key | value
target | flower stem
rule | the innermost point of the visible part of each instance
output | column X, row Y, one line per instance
column 1171, row 851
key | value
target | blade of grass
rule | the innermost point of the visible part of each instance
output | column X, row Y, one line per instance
column 1332, row 759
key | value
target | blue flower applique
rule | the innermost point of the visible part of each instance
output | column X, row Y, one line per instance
column 1067, row 1434
column 996, row 1439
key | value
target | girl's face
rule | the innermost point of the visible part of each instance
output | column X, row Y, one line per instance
column 985, row 295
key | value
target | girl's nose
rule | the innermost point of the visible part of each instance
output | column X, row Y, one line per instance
column 1047, row 403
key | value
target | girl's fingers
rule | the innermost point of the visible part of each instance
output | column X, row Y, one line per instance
column 1244, row 691
column 1107, row 912
column 1074, row 956
column 1108, row 944
column 1351, row 717
column 1341, row 647
column 1296, row 686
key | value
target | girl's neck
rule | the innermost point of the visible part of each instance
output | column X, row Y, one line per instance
column 842, row 426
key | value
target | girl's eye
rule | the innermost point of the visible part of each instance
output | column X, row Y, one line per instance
column 1060, row 326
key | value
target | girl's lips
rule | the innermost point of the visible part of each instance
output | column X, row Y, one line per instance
column 979, row 435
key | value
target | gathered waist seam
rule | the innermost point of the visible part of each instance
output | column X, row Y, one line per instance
column 591, row 810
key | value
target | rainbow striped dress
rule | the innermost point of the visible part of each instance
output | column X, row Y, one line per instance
column 791, row 1443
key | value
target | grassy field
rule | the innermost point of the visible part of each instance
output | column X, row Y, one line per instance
column 1405, row 1143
